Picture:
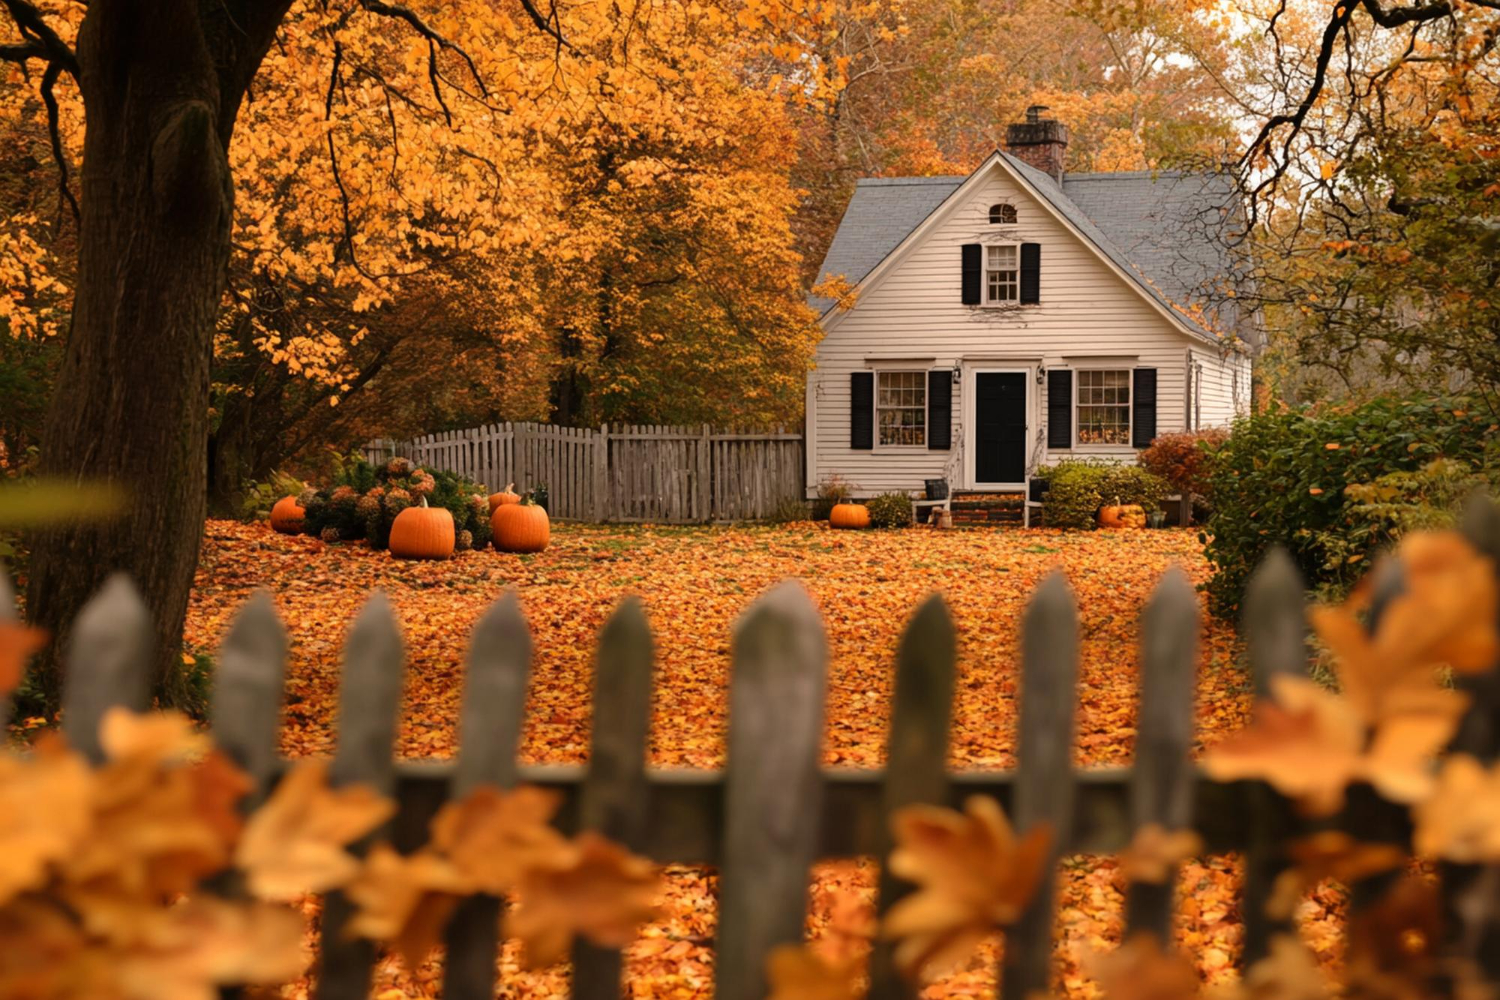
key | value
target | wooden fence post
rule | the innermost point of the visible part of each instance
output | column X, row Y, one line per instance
column 1161, row 780
column 369, row 702
column 107, row 659
column 773, row 791
column 1276, row 633
column 8, row 616
column 247, row 694
column 1044, row 777
column 494, row 708
column 601, row 475
column 613, row 800
column 916, row 767
column 1471, row 893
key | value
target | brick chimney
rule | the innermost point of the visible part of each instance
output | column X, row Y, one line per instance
column 1039, row 142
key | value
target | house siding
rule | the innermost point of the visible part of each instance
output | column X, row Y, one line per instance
column 1089, row 316
column 1222, row 390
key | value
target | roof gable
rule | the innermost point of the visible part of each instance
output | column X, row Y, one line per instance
column 1168, row 222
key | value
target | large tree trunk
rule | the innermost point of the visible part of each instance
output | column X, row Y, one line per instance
column 131, row 401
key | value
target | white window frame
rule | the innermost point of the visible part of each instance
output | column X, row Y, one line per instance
column 984, row 286
column 926, row 406
column 1015, row 215
column 1078, row 441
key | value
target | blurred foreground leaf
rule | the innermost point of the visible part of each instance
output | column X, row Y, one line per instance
column 45, row 502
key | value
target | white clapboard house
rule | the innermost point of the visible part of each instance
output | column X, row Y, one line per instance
column 1020, row 315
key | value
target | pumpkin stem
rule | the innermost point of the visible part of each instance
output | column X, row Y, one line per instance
column 424, row 500
column 508, row 487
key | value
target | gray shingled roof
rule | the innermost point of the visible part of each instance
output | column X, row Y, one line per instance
column 1163, row 229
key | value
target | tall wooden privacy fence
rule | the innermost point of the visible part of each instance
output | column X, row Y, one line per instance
column 622, row 472
column 773, row 810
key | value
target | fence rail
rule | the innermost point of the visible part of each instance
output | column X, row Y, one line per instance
column 772, row 811
column 632, row 473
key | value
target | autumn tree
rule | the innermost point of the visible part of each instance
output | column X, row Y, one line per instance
column 162, row 87
column 1374, row 185
column 933, row 86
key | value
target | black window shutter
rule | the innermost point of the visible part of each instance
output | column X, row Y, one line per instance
column 1059, row 408
column 1143, row 402
column 1031, row 273
column 939, row 409
column 973, row 255
column 862, row 410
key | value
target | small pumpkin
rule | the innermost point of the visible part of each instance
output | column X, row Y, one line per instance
column 849, row 515
column 287, row 516
column 520, row 527
column 422, row 533
column 1118, row 515
column 504, row 497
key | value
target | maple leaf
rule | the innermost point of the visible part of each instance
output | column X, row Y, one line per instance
column 44, row 813
column 796, row 972
column 185, row 950
column 163, row 815
column 17, row 644
column 1310, row 743
column 1460, row 821
column 405, row 900
column 973, row 875
column 295, row 843
column 1154, row 851
column 493, row 836
column 1140, row 970
column 592, row 887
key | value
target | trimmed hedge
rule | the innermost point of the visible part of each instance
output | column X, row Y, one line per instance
column 1182, row 458
column 1319, row 482
column 1077, row 488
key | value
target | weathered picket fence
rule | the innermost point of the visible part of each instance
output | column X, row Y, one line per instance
column 622, row 472
column 773, row 810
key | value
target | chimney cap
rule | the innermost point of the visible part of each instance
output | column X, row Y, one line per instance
column 1034, row 113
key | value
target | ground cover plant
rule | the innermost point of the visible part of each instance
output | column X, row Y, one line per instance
column 694, row 582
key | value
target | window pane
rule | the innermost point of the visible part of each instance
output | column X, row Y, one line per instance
column 1104, row 407
column 902, row 407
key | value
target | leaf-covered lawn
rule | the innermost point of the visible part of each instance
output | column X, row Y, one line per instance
column 694, row 582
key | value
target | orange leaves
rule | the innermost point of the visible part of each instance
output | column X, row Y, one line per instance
column 1461, row 820
column 100, row 871
column 496, row 842
column 1392, row 718
column 973, row 875
column 295, row 843
column 590, row 887
column 1155, row 851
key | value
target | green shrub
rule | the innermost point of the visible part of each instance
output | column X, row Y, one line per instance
column 889, row 510
column 1334, row 485
column 832, row 490
column 1181, row 458
column 1077, row 488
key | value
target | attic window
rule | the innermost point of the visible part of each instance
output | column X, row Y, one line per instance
column 1003, row 214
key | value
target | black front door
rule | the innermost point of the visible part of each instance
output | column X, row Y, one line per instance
column 999, row 427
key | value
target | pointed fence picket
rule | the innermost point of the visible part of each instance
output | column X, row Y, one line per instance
column 773, row 810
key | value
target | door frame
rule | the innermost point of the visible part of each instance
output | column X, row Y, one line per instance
column 1028, row 377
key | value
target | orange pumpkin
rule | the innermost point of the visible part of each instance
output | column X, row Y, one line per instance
column 422, row 533
column 1118, row 515
column 849, row 515
column 287, row 517
column 520, row 527
column 504, row 497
